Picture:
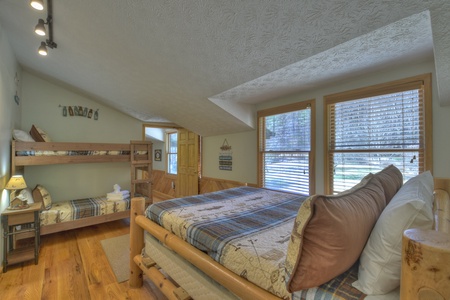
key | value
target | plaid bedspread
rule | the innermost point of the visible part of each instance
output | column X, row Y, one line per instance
column 247, row 230
column 69, row 210
column 339, row 288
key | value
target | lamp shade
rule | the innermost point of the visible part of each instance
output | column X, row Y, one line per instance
column 16, row 183
column 42, row 49
column 37, row 4
column 40, row 28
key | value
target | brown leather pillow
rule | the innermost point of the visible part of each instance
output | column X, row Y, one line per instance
column 40, row 194
column 39, row 135
column 392, row 180
column 330, row 233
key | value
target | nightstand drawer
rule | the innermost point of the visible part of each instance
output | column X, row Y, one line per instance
column 21, row 218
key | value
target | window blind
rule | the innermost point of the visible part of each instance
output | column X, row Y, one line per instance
column 284, row 149
column 367, row 134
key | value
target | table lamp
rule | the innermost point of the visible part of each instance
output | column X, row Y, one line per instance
column 15, row 183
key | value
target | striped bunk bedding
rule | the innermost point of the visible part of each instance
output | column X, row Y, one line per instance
column 75, row 152
column 71, row 210
column 247, row 230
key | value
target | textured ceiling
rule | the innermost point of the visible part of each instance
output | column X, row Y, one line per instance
column 205, row 64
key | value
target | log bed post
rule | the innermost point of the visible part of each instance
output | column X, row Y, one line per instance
column 136, row 241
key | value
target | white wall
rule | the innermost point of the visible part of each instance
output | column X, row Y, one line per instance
column 159, row 165
column 9, row 115
column 41, row 107
column 243, row 148
column 245, row 144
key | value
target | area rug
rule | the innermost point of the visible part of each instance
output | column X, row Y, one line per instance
column 117, row 250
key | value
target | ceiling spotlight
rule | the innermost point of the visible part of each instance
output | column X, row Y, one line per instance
column 40, row 28
column 42, row 49
column 37, row 4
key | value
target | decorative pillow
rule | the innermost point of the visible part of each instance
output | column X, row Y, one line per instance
column 39, row 135
column 380, row 263
column 330, row 232
column 40, row 194
column 391, row 179
column 22, row 136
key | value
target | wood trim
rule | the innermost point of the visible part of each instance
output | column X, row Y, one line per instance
column 63, row 226
column 161, row 196
column 20, row 161
column 379, row 89
column 208, row 184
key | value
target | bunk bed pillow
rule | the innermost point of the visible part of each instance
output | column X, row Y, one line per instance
column 380, row 263
column 27, row 193
column 22, row 136
column 39, row 135
column 330, row 232
column 40, row 194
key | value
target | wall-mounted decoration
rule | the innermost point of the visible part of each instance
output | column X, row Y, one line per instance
column 16, row 97
column 68, row 110
column 158, row 154
column 225, row 157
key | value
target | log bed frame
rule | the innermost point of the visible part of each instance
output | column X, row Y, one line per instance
column 236, row 284
column 19, row 162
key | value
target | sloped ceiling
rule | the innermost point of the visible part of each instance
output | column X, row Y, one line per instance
column 205, row 64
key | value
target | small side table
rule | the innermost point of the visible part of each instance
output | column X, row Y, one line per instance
column 425, row 265
column 29, row 222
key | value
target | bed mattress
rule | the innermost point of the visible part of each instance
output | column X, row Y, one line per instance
column 247, row 230
column 82, row 208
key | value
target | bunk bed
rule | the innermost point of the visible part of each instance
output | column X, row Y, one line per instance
column 138, row 153
column 159, row 240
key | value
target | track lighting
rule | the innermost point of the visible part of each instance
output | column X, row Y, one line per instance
column 42, row 49
column 37, row 4
column 40, row 28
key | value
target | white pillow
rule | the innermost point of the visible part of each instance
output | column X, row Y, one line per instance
column 380, row 261
column 22, row 136
column 27, row 193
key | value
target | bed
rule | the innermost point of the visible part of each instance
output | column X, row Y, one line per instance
column 36, row 148
column 46, row 153
column 158, row 240
column 72, row 214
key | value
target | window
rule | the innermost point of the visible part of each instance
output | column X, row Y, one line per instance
column 371, row 128
column 286, row 141
column 172, row 150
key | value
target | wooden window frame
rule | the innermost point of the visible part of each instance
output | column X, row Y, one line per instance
column 311, row 104
column 376, row 90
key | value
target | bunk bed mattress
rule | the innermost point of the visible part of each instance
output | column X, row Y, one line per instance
column 82, row 208
column 75, row 153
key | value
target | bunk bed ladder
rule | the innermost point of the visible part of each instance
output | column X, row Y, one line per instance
column 141, row 170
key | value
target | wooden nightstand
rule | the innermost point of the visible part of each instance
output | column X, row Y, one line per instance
column 29, row 222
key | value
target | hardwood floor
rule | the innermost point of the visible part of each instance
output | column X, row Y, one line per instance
column 72, row 265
